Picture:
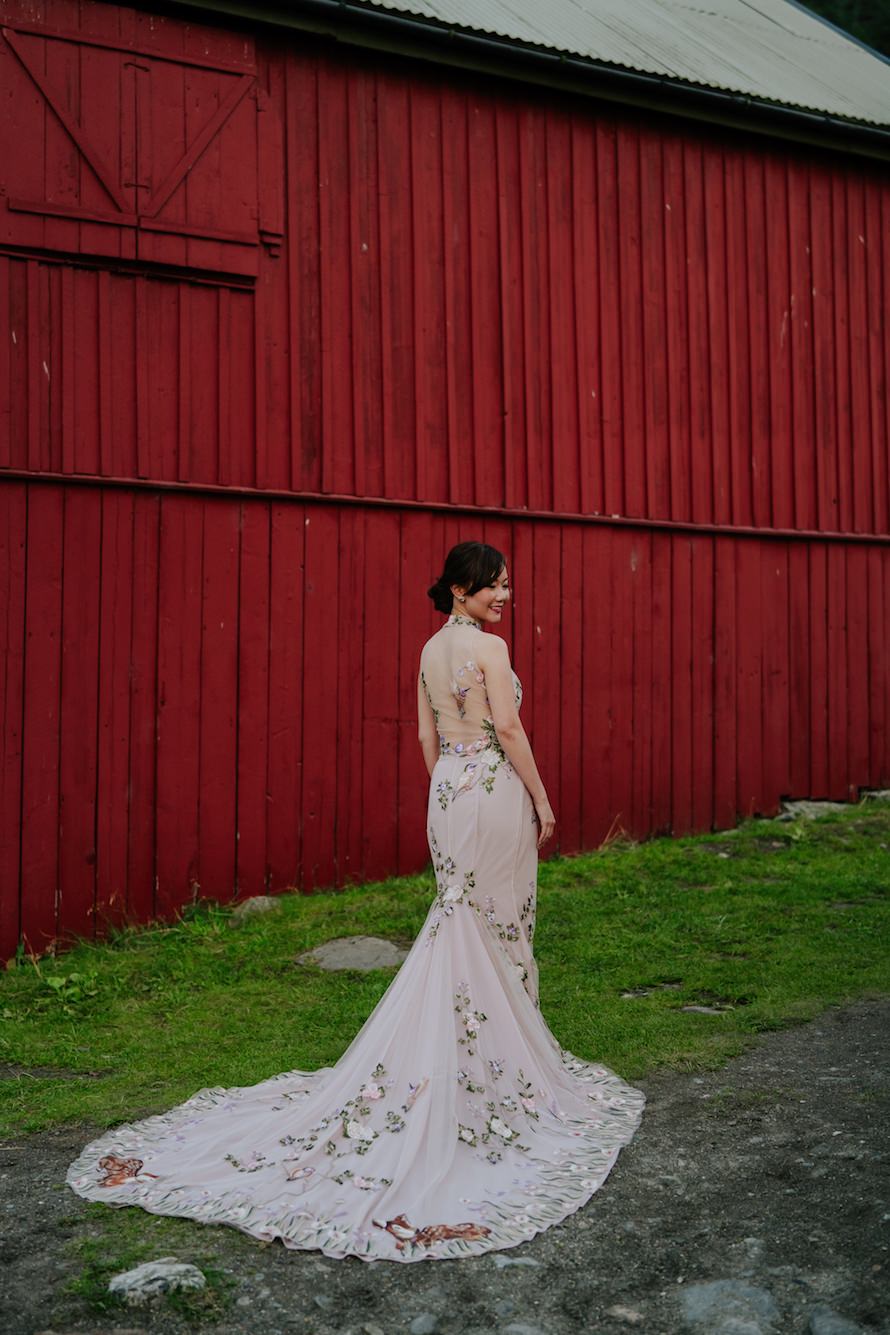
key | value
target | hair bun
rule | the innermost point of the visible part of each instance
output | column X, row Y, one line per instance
column 441, row 595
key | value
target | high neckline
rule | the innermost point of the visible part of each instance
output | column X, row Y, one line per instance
column 458, row 619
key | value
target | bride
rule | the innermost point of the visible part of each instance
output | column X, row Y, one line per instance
column 454, row 1123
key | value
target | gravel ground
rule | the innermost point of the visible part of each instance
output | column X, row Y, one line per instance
column 752, row 1199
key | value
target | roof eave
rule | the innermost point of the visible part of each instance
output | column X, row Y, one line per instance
column 358, row 24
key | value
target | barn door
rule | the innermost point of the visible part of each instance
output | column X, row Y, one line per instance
column 137, row 152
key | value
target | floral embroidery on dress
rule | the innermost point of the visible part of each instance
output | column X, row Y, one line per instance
column 254, row 1161
column 408, row 1236
column 363, row 1183
column 457, row 619
column 118, row 1170
column 357, row 1134
column 471, row 1019
column 464, row 1080
column 460, row 692
column 447, row 748
column 497, row 1132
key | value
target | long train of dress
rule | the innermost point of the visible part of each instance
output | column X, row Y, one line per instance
column 454, row 1123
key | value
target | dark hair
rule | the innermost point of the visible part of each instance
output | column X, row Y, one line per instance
column 469, row 564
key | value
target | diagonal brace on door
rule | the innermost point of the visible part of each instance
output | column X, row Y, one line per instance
column 181, row 169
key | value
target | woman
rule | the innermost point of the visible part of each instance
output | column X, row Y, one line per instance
column 454, row 1123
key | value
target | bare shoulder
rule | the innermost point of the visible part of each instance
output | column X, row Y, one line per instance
column 425, row 647
column 494, row 652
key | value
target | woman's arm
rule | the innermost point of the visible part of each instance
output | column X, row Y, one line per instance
column 510, row 732
column 427, row 732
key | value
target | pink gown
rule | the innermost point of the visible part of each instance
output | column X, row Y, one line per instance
column 454, row 1123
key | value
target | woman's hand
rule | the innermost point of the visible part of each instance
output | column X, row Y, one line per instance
column 546, row 821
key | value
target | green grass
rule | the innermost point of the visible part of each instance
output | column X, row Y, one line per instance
column 128, row 1239
column 143, row 1020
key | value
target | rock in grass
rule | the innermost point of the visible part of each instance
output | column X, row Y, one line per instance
column 256, row 904
column 355, row 952
column 152, row 1278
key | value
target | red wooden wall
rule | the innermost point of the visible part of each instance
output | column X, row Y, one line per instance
column 416, row 306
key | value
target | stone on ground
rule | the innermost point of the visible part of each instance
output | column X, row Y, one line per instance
column 151, row 1278
column 355, row 952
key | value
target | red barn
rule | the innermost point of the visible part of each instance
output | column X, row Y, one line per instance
column 295, row 297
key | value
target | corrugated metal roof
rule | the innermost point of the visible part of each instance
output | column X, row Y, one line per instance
column 768, row 49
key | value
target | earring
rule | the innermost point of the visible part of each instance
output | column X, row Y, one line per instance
column 461, row 597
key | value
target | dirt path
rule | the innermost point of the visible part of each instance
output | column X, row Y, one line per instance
column 753, row 1199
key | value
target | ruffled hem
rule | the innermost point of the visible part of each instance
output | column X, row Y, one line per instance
column 560, row 1184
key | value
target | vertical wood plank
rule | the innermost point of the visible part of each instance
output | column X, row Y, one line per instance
column 486, row 385
column 879, row 470
column 860, row 389
column 778, row 445
column 611, row 309
column 841, row 353
column 656, row 413
column 338, row 472
column 563, row 462
column 536, row 305
column 757, row 252
column 632, row 353
column 801, row 269
column 303, row 261
column 725, row 677
column 546, row 611
column 41, row 716
column 776, row 710
column 428, row 279
column 319, row 692
column 178, row 686
column 739, row 356
column 219, row 702
column 818, row 666
column 455, row 208
column 142, row 867
column 802, row 629
column 682, row 463
column 396, row 267
column 858, row 667
column 13, row 558
column 380, row 699
column 836, row 677
column 825, row 435
column 354, row 623
column 286, row 694
column 367, row 377
column 510, row 304
column 253, row 702
column 571, row 679
column 621, row 587
column 585, row 224
column 721, row 511
column 749, row 557
column 596, row 698
column 664, row 629
column 704, row 680
column 117, row 580
column 699, row 283
column 78, row 708
column 879, row 669
column 641, row 698
column 683, row 666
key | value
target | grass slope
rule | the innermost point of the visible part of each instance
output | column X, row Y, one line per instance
column 768, row 924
